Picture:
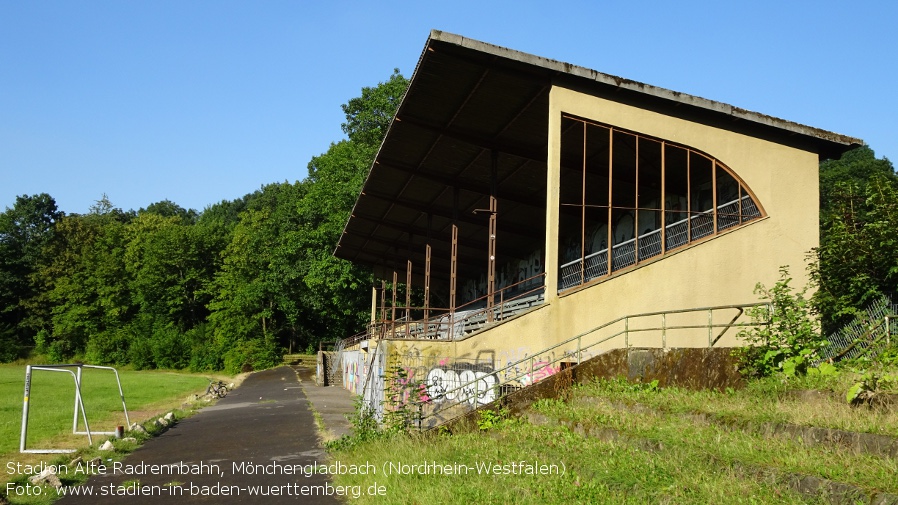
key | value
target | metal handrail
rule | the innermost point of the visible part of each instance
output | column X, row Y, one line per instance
column 467, row 387
column 434, row 324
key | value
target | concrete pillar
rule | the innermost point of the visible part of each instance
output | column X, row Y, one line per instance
column 553, row 195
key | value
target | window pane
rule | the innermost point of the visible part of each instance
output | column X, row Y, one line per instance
column 649, row 174
column 727, row 200
column 676, row 201
column 624, row 238
column 623, row 170
column 571, row 161
column 650, row 233
column 701, row 197
column 597, row 144
column 596, row 263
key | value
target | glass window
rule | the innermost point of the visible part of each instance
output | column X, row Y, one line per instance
column 627, row 198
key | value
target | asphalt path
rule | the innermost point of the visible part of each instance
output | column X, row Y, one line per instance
column 266, row 421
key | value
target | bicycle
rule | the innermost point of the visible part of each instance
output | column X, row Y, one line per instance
column 217, row 388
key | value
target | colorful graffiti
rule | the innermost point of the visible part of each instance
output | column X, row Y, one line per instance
column 461, row 386
column 354, row 367
column 523, row 371
column 539, row 371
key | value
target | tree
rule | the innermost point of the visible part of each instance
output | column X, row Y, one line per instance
column 257, row 306
column 855, row 168
column 167, row 208
column 335, row 180
column 857, row 260
column 25, row 231
column 84, row 284
column 368, row 116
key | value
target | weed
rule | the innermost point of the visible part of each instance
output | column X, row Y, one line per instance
column 870, row 385
column 490, row 419
column 785, row 336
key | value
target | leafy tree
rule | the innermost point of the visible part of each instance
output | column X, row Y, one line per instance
column 368, row 116
column 25, row 230
column 167, row 208
column 335, row 180
column 255, row 306
column 857, row 260
column 854, row 169
column 170, row 264
column 83, row 280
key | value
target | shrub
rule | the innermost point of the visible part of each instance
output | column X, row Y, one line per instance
column 786, row 336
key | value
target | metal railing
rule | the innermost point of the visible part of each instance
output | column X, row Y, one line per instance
column 456, row 399
column 677, row 234
column 867, row 334
column 445, row 324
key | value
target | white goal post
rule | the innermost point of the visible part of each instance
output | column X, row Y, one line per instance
column 79, row 404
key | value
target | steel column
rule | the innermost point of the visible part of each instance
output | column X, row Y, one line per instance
column 408, row 295
column 426, row 286
column 393, row 308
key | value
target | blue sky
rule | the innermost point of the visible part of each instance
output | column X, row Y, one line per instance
column 200, row 101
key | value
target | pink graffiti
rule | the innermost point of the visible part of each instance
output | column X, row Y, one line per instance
column 540, row 370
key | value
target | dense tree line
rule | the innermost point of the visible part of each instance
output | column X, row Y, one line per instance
column 857, row 261
column 228, row 288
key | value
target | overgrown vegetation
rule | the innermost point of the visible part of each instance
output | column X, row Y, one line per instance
column 231, row 287
column 857, row 261
column 785, row 335
column 622, row 442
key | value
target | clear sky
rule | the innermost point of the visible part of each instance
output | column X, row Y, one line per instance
column 201, row 101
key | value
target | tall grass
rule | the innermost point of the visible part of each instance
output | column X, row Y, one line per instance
column 626, row 443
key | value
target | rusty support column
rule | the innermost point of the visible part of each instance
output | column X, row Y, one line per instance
column 714, row 193
column 373, row 325
column 393, row 307
column 426, row 287
column 491, row 266
column 453, row 263
column 383, row 308
column 408, row 294
column 663, row 198
column 610, row 249
column 583, row 211
column 453, row 270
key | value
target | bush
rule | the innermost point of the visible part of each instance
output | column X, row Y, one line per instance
column 786, row 337
column 255, row 354
column 108, row 348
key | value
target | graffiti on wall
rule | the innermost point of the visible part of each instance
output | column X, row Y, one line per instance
column 507, row 274
column 461, row 384
column 442, row 386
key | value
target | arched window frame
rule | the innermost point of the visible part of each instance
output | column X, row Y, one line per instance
column 671, row 230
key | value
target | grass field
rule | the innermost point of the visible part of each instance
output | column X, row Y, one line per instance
column 52, row 403
column 615, row 442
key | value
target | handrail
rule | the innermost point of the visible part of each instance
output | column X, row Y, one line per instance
column 472, row 385
column 694, row 215
column 436, row 323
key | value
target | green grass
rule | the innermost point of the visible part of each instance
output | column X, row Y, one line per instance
column 51, row 403
column 624, row 443
column 590, row 471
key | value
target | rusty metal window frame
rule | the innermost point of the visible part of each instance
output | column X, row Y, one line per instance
column 580, row 267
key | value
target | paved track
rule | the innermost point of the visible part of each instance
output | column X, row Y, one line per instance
column 266, row 420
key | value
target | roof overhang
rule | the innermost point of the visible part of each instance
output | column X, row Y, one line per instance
column 476, row 113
